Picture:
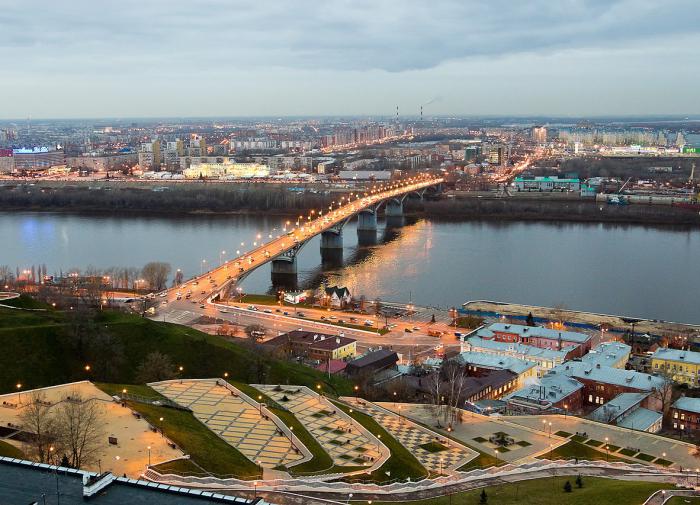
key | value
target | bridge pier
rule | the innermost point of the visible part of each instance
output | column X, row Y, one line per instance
column 394, row 208
column 284, row 273
column 284, row 266
column 331, row 240
column 367, row 221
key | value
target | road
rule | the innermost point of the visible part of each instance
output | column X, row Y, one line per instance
column 214, row 281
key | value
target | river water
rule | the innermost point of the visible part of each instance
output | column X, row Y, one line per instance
column 629, row 270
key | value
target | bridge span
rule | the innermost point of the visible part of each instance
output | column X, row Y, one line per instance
column 282, row 250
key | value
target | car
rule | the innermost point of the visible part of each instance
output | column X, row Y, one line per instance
column 353, row 319
column 332, row 318
column 195, row 283
column 252, row 307
column 285, row 313
column 436, row 333
column 408, row 330
column 369, row 322
column 163, row 302
column 201, row 306
column 323, row 318
column 228, row 277
column 194, row 301
column 204, row 292
column 267, row 311
column 301, row 314
column 163, row 295
column 223, row 311
column 416, row 328
column 341, row 321
column 278, row 310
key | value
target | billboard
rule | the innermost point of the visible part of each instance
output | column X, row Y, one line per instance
column 5, row 153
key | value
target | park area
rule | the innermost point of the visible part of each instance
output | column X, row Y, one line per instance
column 121, row 441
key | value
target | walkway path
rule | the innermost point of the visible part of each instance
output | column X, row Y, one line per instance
column 445, row 456
column 236, row 421
column 680, row 453
column 336, row 432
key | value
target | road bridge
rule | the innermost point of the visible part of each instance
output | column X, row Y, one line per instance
column 283, row 249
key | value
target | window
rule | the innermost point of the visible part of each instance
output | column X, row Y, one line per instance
column 590, row 398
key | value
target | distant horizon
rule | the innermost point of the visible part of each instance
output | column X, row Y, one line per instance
column 378, row 117
column 238, row 58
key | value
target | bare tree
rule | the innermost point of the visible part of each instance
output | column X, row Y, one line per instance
column 36, row 418
column 255, row 333
column 156, row 367
column 80, row 427
column 156, row 274
column 454, row 379
column 436, row 400
column 663, row 393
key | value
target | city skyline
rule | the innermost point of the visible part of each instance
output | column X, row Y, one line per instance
column 215, row 59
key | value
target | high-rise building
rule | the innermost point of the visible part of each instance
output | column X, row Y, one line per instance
column 539, row 134
column 149, row 154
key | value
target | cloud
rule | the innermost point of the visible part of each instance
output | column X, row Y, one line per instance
column 168, row 36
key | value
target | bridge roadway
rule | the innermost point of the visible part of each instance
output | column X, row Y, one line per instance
column 216, row 281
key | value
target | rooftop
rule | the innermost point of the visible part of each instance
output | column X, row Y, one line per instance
column 617, row 407
column 380, row 356
column 608, row 353
column 539, row 331
column 514, row 347
column 677, row 355
column 609, row 375
column 313, row 339
column 551, row 388
column 688, row 404
column 641, row 419
column 26, row 482
column 515, row 365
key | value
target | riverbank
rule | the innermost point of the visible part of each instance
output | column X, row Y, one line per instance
column 249, row 198
column 574, row 318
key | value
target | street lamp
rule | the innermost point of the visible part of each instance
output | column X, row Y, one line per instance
column 19, row 393
column 161, row 427
column 149, row 455
column 357, row 389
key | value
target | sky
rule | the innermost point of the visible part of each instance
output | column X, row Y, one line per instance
column 174, row 58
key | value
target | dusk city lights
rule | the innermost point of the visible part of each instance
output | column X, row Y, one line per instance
column 315, row 253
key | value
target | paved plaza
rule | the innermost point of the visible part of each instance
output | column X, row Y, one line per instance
column 680, row 453
column 438, row 454
column 233, row 419
column 332, row 428
column 133, row 435
column 476, row 430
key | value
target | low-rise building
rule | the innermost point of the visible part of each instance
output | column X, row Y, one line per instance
column 614, row 354
column 627, row 411
column 373, row 362
column 685, row 415
column 537, row 336
column 554, row 392
column 478, row 363
column 680, row 366
column 545, row 359
column 603, row 383
column 313, row 346
column 546, row 184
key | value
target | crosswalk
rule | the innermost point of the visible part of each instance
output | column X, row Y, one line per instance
column 180, row 316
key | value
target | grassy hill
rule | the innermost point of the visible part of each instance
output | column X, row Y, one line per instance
column 52, row 347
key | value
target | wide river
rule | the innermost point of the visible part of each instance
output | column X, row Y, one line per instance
column 628, row 270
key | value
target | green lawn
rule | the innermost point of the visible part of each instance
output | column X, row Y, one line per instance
column 563, row 434
column 571, row 450
column 39, row 350
column 550, row 491
column 594, row 443
column 433, row 447
column 683, row 500
column 10, row 451
column 645, row 457
column 321, row 461
column 206, row 449
column 401, row 464
column 628, row 452
column 578, row 438
column 663, row 462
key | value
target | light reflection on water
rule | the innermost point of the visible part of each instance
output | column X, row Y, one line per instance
column 631, row 270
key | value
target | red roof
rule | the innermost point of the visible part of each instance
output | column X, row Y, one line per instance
column 337, row 366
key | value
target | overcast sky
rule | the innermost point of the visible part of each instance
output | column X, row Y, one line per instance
column 138, row 58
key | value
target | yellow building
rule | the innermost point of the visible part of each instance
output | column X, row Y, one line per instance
column 683, row 367
column 227, row 170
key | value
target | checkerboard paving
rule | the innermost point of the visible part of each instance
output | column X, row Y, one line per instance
column 345, row 444
column 234, row 420
column 413, row 437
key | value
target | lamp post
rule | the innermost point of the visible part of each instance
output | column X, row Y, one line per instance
column 149, row 455
column 19, row 393
column 357, row 389
column 260, row 404
column 161, row 427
